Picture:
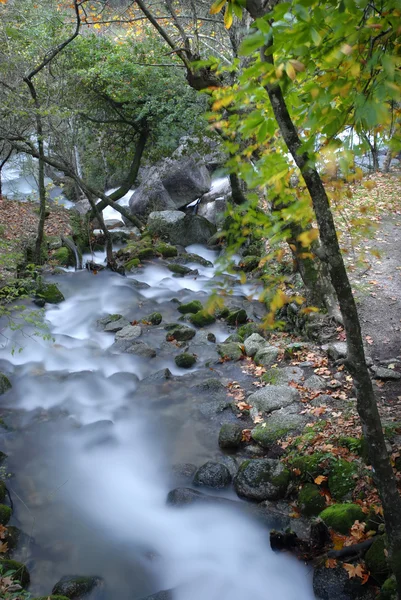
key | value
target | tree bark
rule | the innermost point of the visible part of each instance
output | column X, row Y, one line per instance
column 111, row 263
column 2, row 164
column 356, row 363
column 237, row 194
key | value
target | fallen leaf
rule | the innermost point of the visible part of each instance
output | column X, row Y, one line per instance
column 330, row 563
column 318, row 480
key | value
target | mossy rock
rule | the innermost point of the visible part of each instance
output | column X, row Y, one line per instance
column 190, row 307
column 307, row 467
column 132, row 264
column 63, row 256
column 181, row 333
column 262, row 479
column 376, row 559
column 248, row 329
column 222, row 313
column 52, row 597
column 20, row 572
column 237, row 317
column 254, row 249
column 185, row 360
column 12, row 537
column 166, row 250
column 179, row 269
column 154, row 318
column 341, row 517
column 266, row 436
column 249, row 263
column 272, row 377
column 202, row 319
column 3, row 491
column 5, row 384
column 79, row 226
column 5, row 514
column 77, row 587
column 231, row 351
column 234, row 337
column 357, row 445
column 310, row 501
column 341, row 480
column 50, row 293
column 230, row 435
column 145, row 253
column 388, row 590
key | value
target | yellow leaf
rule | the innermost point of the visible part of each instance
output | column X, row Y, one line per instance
column 297, row 64
column 228, row 16
column 217, row 6
column 289, row 69
column 318, row 480
column 307, row 237
column 221, row 102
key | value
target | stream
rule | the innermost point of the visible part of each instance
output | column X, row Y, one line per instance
column 94, row 435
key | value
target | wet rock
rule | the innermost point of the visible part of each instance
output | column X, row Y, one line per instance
column 189, row 257
column 310, row 501
column 5, row 514
column 211, row 386
column 230, row 435
column 158, row 377
column 266, row 356
column 341, row 517
column 237, row 317
column 291, row 349
column 234, row 337
column 337, row 350
column 376, row 559
column 254, row 343
column 162, row 595
column 248, row 329
column 232, row 351
column 262, row 479
column 202, row 319
column 190, row 307
column 129, row 332
column 213, row 474
column 181, row 270
column 179, row 228
column 185, row 360
column 4, row 384
column 273, row 397
column 279, row 376
column 3, row 491
column 184, row 470
column 185, row 496
column 385, row 374
column 20, row 572
column 108, row 319
column 181, row 333
column 166, row 250
column 139, row 285
column 330, row 584
column 278, row 426
column 115, row 326
column 141, row 349
column 154, row 318
column 314, row 382
column 78, row 587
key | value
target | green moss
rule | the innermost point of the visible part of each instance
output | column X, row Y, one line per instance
column 12, row 537
column 5, row 384
column 154, row 318
column 376, row 560
column 166, row 250
column 272, row 376
column 341, row 517
column 181, row 333
column 5, row 514
column 309, row 466
column 63, row 256
column 222, row 313
column 388, row 590
column 3, row 491
column 79, row 226
column 266, row 435
column 50, row 293
column 231, row 350
column 132, row 264
column 248, row 329
column 179, row 269
column 341, row 479
column 145, row 253
column 237, row 317
column 19, row 571
column 190, row 307
column 202, row 318
column 51, row 598
column 185, row 360
column 282, row 479
column 310, row 501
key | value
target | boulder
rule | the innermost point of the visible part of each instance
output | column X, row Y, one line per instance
column 266, row 356
column 276, row 376
column 20, row 572
column 385, row 374
column 254, row 343
column 180, row 333
column 140, row 349
column 185, row 178
column 5, row 514
column 78, row 587
column 278, row 425
column 314, row 382
column 213, row 210
column 330, row 584
column 178, row 228
column 129, row 332
column 273, row 397
column 115, row 326
column 213, row 474
column 262, row 479
column 337, row 350
column 341, row 517
column 230, row 435
column 310, row 501
column 185, row 360
column 4, row 383
column 149, row 197
column 231, row 351
column 190, row 307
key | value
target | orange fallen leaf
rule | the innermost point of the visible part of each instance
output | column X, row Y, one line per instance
column 318, row 480
column 330, row 563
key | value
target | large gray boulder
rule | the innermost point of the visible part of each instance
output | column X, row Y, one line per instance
column 273, row 397
column 262, row 479
column 151, row 195
column 178, row 228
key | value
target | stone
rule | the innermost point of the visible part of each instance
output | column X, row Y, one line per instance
column 162, row 595
column 291, row 349
column 266, row 356
column 334, row 584
column 166, row 250
column 5, row 384
column 237, row 317
column 181, row 333
column 310, row 501
column 78, row 587
column 314, row 382
column 140, row 349
column 185, row 178
column 185, row 360
column 179, row 228
column 280, row 376
column 190, row 307
column 115, row 326
column 150, row 196
column 213, row 475
column 202, row 319
column 3, row 491
column 20, row 572
column 231, row 351
column 278, row 426
column 189, row 257
column 50, row 293
column 184, row 470
column 154, row 318
column 108, row 319
column 262, row 479
column 248, row 329
column 385, row 374
column 337, row 350
column 376, row 560
column 181, row 270
column 5, row 514
column 341, row 517
column 129, row 332
column 230, row 436
column 254, row 343
column 273, row 397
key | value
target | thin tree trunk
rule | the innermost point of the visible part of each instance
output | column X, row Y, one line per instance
column 2, row 164
column 387, row 161
column 111, row 263
column 356, row 363
column 237, row 194
column 41, row 172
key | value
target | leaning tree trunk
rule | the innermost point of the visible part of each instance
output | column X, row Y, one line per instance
column 356, row 363
column 2, row 164
column 111, row 263
column 41, row 172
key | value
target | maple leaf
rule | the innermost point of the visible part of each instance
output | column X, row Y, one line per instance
column 355, row 570
column 3, row 547
column 330, row 563
column 3, row 532
column 246, row 435
column 318, row 480
column 244, row 406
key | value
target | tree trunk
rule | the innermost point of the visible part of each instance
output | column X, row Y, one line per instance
column 41, row 172
column 387, row 161
column 356, row 363
column 2, row 164
column 111, row 263
column 237, row 194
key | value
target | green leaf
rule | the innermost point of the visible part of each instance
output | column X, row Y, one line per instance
column 252, row 43
column 316, row 37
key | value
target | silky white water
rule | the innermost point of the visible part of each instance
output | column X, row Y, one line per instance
column 94, row 496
